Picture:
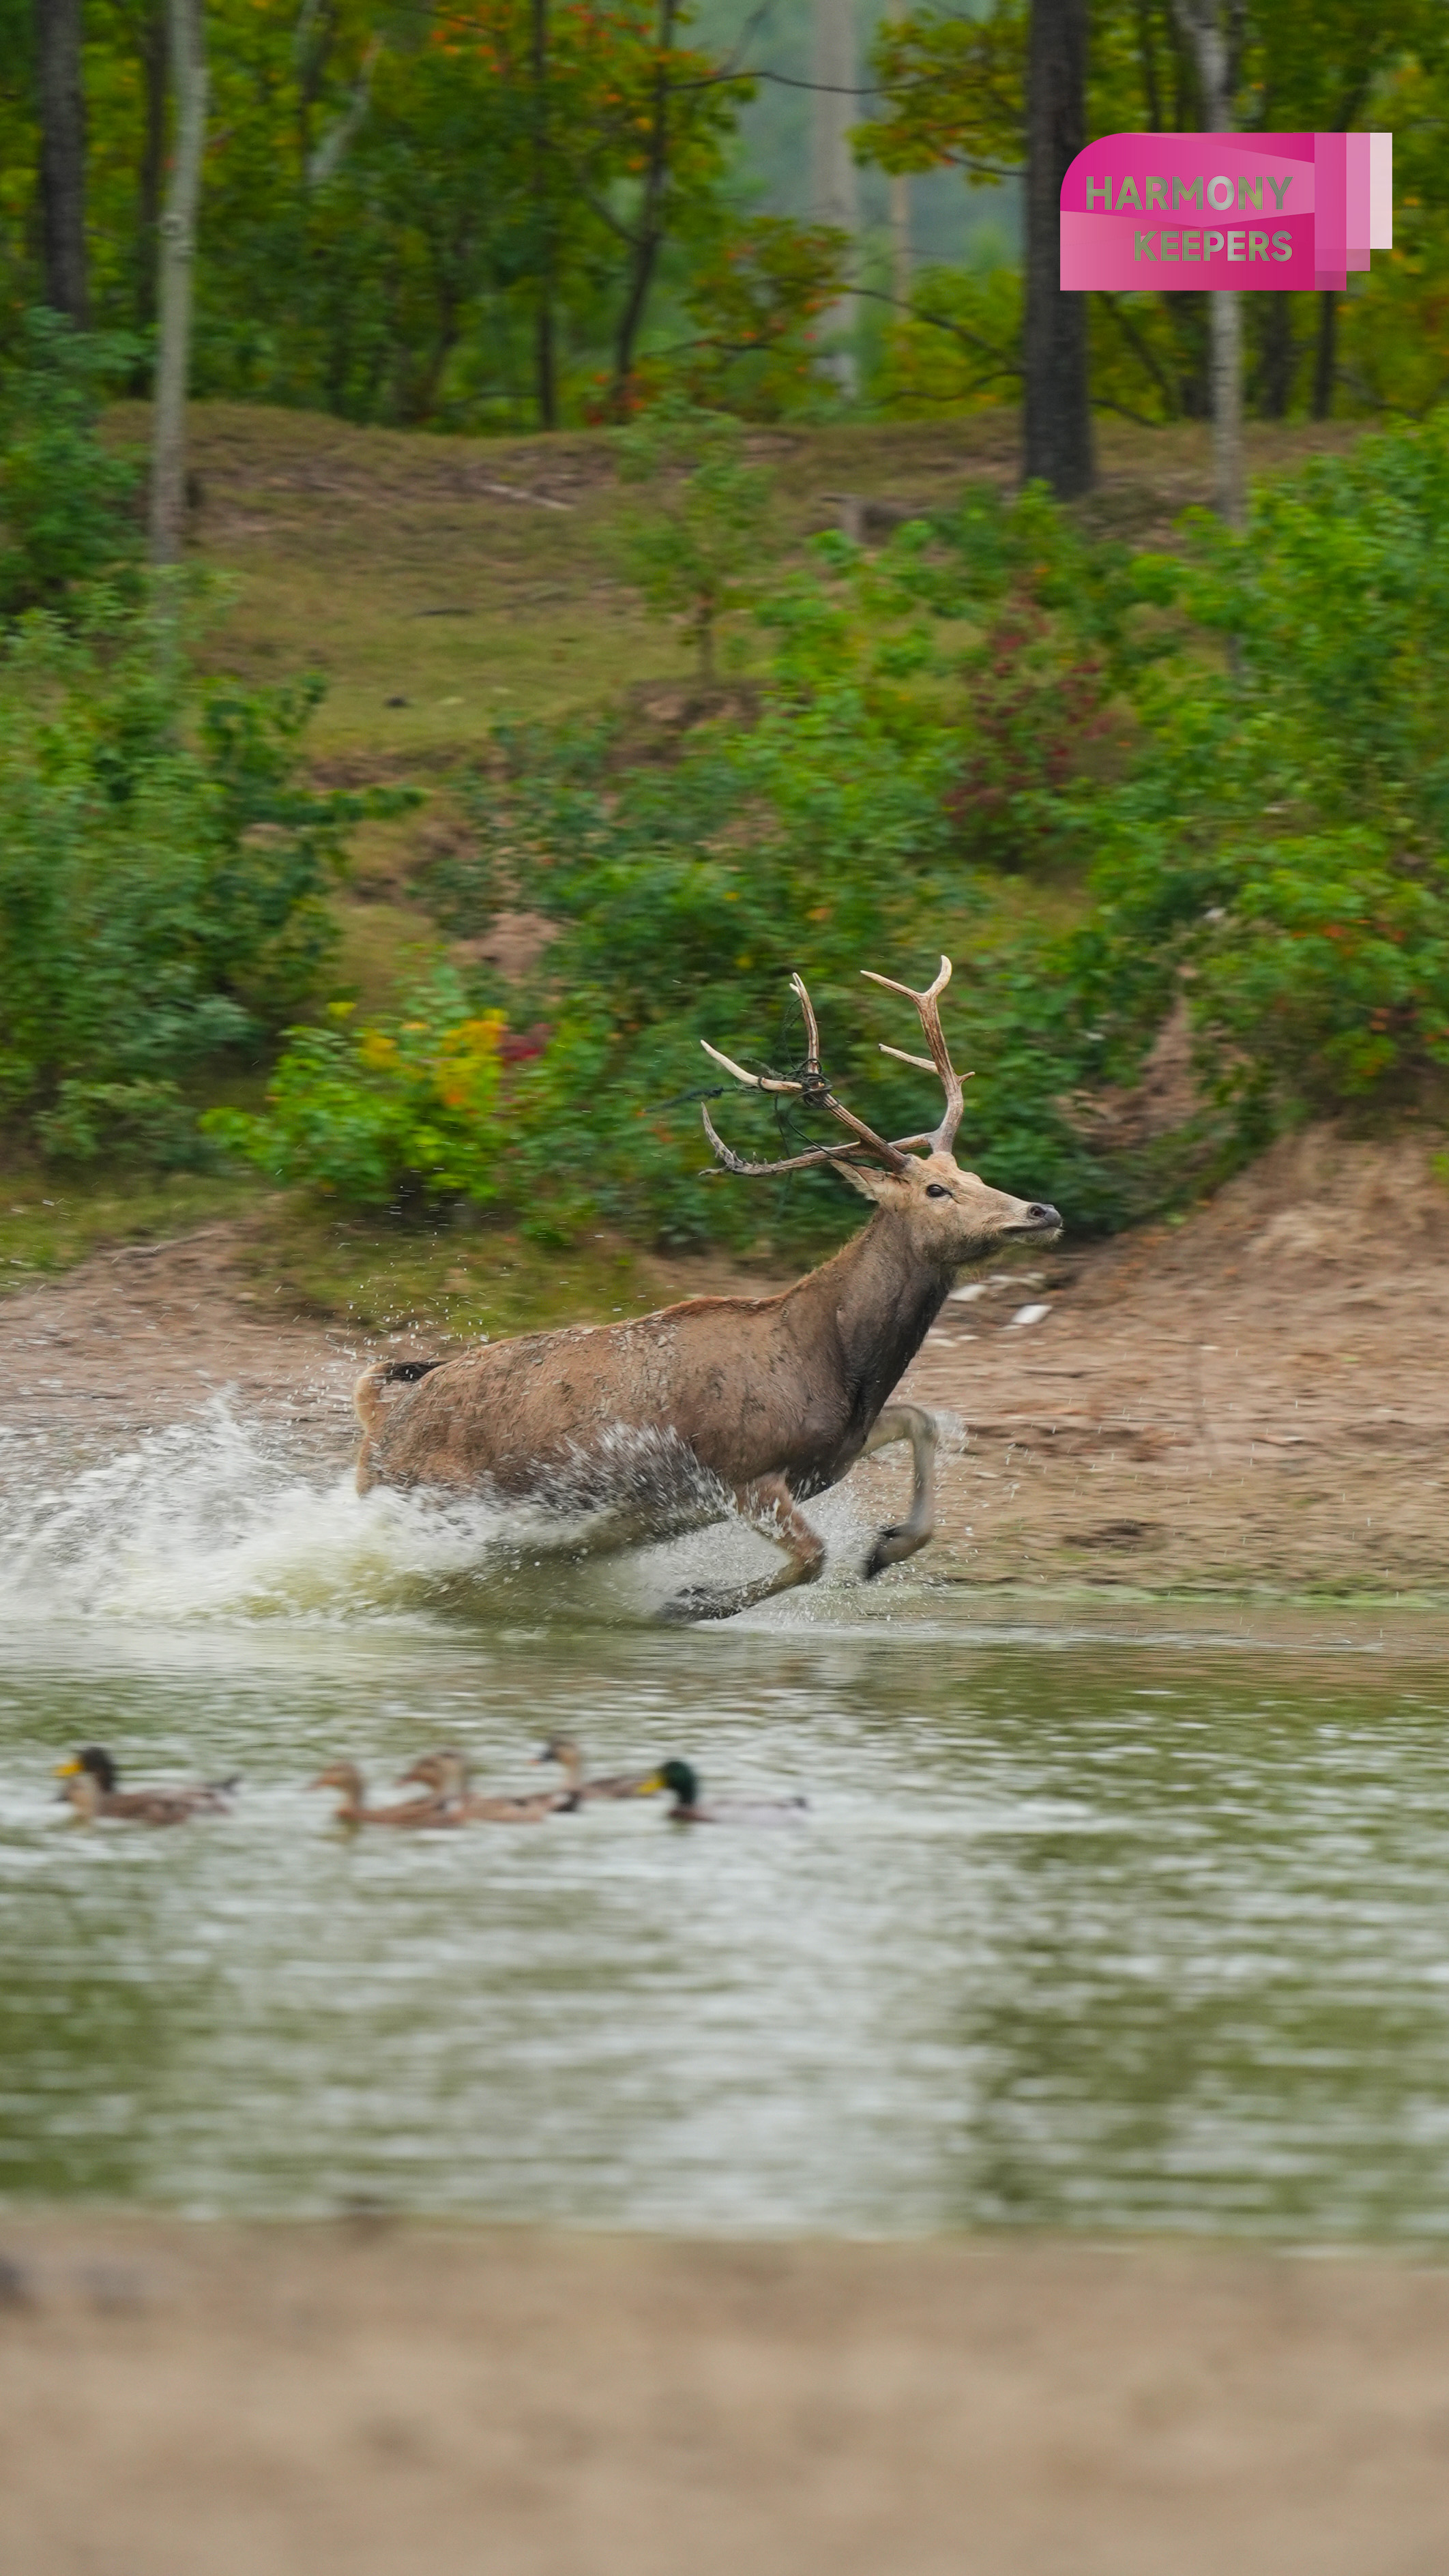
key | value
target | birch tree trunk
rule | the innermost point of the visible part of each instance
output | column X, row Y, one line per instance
column 178, row 241
column 899, row 216
column 62, row 157
column 151, row 172
column 1202, row 23
column 834, row 180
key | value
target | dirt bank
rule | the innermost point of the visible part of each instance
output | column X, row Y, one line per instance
column 1255, row 1400
column 410, row 2402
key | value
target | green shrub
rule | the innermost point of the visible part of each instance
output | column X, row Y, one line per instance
column 163, row 880
column 683, row 899
column 396, row 1113
column 694, row 550
column 67, row 505
column 1283, row 840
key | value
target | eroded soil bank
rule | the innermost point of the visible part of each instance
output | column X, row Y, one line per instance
column 402, row 2401
column 1255, row 1401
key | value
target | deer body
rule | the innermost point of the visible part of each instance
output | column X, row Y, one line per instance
column 763, row 1401
column 773, row 1398
column 752, row 1386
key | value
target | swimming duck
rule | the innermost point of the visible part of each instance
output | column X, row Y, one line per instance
column 92, row 1778
column 682, row 1780
column 563, row 1750
column 428, row 1813
column 446, row 1773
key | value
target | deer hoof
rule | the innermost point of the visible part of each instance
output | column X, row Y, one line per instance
column 701, row 1601
column 880, row 1556
column 891, row 1546
column 710, row 1601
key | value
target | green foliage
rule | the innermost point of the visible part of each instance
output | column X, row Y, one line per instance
column 954, row 89
column 953, row 93
column 163, row 880
column 693, row 551
column 393, row 1114
column 823, row 838
column 396, row 209
column 1267, row 832
column 67, row 506
column 754, row 301
column 1284, row 839
column 958, row 345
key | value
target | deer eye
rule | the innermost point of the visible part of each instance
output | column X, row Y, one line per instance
column 937, row 1190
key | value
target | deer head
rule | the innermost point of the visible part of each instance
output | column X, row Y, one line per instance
column 954, row 1215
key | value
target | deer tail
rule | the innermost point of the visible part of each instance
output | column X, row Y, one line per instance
column 367, row 1394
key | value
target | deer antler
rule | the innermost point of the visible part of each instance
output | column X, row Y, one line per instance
column 942, row 1138
column 814, row 1092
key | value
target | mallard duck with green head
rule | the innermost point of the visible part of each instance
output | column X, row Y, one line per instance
column 92, row 1788
column 682, row 1781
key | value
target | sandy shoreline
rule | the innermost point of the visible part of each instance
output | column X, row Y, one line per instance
column 384, row 2399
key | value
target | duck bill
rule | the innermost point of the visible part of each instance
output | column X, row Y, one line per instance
column 650, row 1787
column 68, row 1770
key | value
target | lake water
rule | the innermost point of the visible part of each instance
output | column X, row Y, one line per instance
column 1102, row 1919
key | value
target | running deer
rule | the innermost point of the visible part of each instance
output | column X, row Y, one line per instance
column 760, row 1401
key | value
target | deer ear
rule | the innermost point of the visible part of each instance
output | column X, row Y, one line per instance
column 871, row 1185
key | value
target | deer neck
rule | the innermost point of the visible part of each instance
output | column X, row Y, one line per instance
column 882, row 1296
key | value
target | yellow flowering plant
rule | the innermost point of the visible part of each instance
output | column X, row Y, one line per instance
column 386, row 1114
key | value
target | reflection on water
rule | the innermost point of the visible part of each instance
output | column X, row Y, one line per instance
column 1086, row 1930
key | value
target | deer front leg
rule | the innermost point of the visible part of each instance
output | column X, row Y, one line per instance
column 906, row 1422
column 769, row 1507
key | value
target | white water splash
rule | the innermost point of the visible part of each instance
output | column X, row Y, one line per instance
column 216, row 1519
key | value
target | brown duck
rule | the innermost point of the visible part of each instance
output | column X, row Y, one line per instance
column 427, row 1813
column 446, row 1774
column 563, row 1750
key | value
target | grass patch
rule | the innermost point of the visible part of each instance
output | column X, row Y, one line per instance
column 47, row 1225
column 442, row 1281
column 392, row 561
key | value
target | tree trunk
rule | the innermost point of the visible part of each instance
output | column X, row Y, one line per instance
column 1201, row 22
column 900, row 232
column 153, row 165
column 545, row 375
column 1057, row 424
column 650, row 234
column 834, row 180
column 1325, row 363
column 178, row 241
column 1280, row 355
column 1225, row 314
column 62, row 157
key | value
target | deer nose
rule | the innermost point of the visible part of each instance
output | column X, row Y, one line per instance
column 1041, row 1212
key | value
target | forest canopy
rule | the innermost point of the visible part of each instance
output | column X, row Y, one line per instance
column 501, row 214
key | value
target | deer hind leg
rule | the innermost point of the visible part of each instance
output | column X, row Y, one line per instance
column 769, row 1507
column 906, row 1422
